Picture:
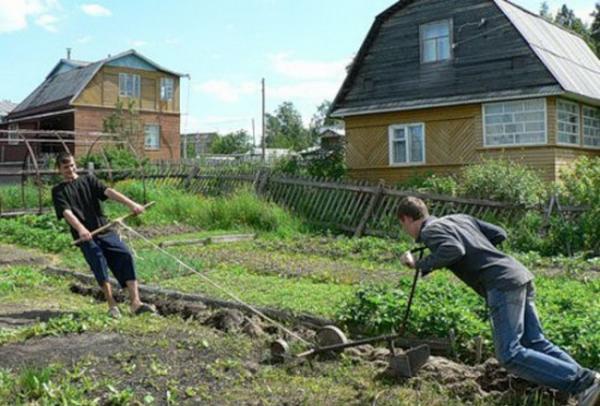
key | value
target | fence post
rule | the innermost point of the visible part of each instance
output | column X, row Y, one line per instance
column 193, row 173
column 262, row 182
column 90, row 168
column 369, row 212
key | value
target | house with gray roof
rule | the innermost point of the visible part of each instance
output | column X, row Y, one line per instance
column 6, row 106
column 440, row 84
column 78, row 97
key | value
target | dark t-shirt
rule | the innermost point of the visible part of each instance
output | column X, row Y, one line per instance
column 82, row 196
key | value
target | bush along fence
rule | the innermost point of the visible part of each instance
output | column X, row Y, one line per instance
column 355, row 207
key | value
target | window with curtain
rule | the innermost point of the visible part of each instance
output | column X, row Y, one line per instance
column 407, row 144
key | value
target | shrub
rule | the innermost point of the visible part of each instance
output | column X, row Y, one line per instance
column 581, row 185
column 441, row 185
column 118, row 158
column 328, row 164
column 503, row 181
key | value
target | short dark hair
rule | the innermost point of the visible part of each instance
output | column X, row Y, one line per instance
column 412, row 207
column 63, row 158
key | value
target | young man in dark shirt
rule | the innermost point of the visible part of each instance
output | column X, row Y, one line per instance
column 77, row 200
column 468, row 247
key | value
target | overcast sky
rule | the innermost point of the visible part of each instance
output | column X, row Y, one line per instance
column 301, row 47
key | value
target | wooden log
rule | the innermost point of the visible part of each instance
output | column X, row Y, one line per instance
column 217, row 239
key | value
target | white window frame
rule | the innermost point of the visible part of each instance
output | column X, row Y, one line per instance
column 151, row 147
column 422, row 28
column 517, row 145
column 129, row 79
column 166, row 92
column 13, row 137
column 395, row 127
column 558, row 122
column 584, row 127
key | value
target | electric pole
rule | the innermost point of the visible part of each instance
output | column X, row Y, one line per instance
column 263, row 121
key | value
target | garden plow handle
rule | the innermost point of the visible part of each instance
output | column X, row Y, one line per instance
column 389, row 337
column 112, row 223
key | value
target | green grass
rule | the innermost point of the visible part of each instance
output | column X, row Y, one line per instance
column 11, row 196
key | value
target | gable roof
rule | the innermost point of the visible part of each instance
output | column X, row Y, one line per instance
column 565, row 55
column 67, row 80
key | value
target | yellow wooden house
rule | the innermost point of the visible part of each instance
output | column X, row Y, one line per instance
column 440, row 84
column 76, row 97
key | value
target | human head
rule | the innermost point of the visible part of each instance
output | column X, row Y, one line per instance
column 411, row 213
column 65, row 162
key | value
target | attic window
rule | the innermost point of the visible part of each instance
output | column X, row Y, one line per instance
column 435, row 41
column 129, row 85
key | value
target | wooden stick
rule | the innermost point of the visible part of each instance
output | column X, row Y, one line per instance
column 112, row 223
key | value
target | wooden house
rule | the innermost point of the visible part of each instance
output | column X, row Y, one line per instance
column 77, row 97
column 440, row 84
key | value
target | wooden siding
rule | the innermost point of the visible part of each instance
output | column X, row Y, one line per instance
column 490, row 58
column 453, row 139
column 451, row 136
column 103, row 90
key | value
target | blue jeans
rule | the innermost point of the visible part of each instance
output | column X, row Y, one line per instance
column 108, row 251
column 523, row 350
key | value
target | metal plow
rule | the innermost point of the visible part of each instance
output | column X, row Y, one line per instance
column 331, row 341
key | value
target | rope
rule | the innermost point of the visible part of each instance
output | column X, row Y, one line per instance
column 214, row 284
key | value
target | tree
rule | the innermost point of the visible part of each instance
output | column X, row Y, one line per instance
column 322, row 119
column 125, row 122
column 545, row 11
column 286, row 130
column 567, row 18
column 233, row 143
column 595, row 29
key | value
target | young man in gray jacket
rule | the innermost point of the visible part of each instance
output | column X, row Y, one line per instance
column 468, row 247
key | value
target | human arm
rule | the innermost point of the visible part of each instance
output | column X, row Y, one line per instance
column 112, row 194
column 496, row 235
column 444, row 245
column 84, row 233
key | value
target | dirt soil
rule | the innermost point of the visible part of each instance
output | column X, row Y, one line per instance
column 170, row 229
column 11, row 255
column 469, row 383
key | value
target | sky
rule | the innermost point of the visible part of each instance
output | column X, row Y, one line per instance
column 300, row 47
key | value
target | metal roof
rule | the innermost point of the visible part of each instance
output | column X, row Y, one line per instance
column 566, row 55
column 6, row 106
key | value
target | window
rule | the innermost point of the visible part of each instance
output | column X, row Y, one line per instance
column 407, row 144
column 13, row 136
column 129, row 85
column 591, row 127
column 166, row 88
column 151, row 136
column 520, row 122
column 567, row 117
column 435, row 41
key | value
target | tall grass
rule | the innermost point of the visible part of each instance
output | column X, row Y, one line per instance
column 241, row 210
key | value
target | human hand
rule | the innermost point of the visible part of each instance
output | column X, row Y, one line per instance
column 408, row 259
column 137, row 209
column 84, row 234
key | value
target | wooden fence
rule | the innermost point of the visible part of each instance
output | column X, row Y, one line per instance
column 355, row 207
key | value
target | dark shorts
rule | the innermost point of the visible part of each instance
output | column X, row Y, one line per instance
column 108, row 251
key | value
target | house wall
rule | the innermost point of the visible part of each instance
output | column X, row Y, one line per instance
column 453, row 139
column 103, row 90
column 90, row 119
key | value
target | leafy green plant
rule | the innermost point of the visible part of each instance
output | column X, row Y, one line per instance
column 504, row 181
column 581, row 185
column 42, row 231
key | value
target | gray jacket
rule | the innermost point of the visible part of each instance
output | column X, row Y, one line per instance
column 467, row 246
